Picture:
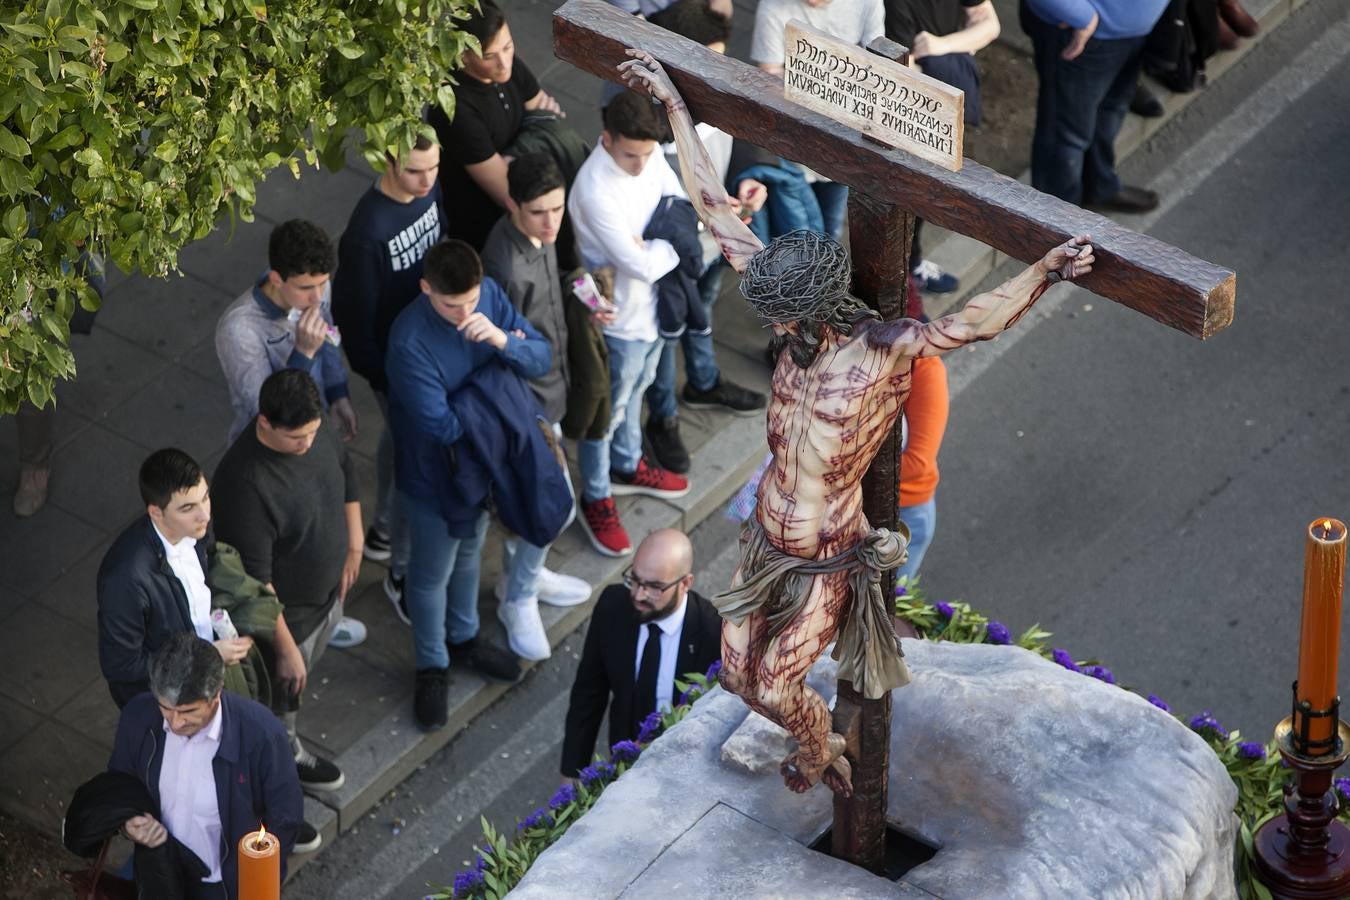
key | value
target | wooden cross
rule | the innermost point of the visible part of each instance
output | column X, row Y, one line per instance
column 888, row 188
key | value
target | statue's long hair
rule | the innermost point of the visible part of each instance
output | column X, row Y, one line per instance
column 802, row 278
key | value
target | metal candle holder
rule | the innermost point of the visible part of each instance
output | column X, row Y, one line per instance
column 1304, row 854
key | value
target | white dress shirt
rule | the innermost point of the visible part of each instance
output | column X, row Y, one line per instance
column 610, row 208
column 188, row 569
column 187, row 792
column 672, row 626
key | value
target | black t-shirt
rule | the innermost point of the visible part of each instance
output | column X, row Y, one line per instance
column 285, row 515
column 906, row 18
column 487, row 120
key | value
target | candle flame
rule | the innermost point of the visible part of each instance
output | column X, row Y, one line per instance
column 1326, row 525
column 260, row 842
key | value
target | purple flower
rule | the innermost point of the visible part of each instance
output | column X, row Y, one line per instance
column 1062, row 657
column 651, row 726
column 625, row 752
column 563, row 796
column 1342, row 785
column 901, row 590
column 997, row 633
column 1101, row 673
column 1251, row 750
column 945, row 610
column 1206, row 722
column 684, row 700
column 715, row 668
column 468, row 883
column 535, row 819
column 1158, row 702
column 592, row 774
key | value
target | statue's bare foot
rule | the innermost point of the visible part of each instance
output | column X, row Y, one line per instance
column 839, row 777
column 801, row 773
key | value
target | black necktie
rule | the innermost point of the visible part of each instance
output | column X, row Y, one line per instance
column 644, row 693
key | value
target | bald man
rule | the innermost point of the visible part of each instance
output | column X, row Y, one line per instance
column 644, row 633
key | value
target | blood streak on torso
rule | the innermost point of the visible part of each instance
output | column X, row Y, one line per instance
column 825, row 425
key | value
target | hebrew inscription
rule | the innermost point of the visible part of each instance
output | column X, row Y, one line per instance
column 885, row 100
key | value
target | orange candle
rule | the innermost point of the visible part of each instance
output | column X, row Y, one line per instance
column 1320, row 642
column 259, row 866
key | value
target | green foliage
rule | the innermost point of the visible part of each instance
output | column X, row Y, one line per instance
column 130, row 127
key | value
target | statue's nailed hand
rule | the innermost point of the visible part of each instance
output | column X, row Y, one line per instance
column 1071, row 259
column 642, row 71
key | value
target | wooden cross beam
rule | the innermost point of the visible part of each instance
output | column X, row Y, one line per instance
column 1143, row 273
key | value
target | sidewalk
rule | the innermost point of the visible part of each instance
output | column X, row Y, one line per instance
column 149, row 378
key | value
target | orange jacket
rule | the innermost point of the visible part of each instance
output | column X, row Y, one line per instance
column 926, row 420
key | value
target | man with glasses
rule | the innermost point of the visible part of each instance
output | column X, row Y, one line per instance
column 643, row 635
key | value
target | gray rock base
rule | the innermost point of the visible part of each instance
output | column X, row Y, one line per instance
column 1034, row 781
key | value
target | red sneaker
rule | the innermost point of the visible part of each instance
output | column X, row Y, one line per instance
column 600, row 520
column 653, row 481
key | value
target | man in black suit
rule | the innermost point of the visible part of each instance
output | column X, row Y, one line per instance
column 643, row 635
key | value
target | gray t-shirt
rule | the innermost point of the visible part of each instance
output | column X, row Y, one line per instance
column 855, row 21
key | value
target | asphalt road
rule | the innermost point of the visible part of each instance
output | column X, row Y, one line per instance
column 1139, row 493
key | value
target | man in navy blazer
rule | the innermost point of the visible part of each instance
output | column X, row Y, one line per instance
column 643, row 635
column 187, row 737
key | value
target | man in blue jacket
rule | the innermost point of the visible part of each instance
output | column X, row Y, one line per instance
column 461, row 323
column 1087, row 63
column 216, row 764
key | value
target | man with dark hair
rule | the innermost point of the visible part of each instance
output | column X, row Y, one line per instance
column 285, row 321
column 458, row 357
column 380, row 263
column 286, row 500
column 493, row 91
column 704, row 385
column 521, row 256
column 152, row 581
column 615, row 193
column 216, row 764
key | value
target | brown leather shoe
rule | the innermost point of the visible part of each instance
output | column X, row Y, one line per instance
column 1227, row 39
column 32, row 491
column 1130, row 199
column 1241, row 21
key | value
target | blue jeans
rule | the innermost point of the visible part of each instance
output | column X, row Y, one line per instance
column 1080, row 106
column 521, row 561
column 833, row 199
column 922, row 520
column 632, row 367
column 700, row 360
column 442, row 585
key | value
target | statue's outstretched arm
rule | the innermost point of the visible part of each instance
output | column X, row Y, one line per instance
column 705, row 189
column 989, row 314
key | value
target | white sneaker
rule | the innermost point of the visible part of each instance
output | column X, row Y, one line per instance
column 557, row 589
column 348, row 633
column 524, row 629
column 552, row 589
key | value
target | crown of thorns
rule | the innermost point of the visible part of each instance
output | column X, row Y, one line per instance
column 800, row 276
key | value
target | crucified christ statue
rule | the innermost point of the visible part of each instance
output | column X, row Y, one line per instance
column 810, row 562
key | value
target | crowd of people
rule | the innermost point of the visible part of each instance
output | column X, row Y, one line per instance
column 504, row 289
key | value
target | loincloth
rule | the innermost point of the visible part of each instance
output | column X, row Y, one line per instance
column 776, row 584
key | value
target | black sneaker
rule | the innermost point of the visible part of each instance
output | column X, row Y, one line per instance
column 429, row 698
column 663, row 433
column 725, row 394
column 486, row 660
column 307, row 839
column 318, row 774
column 393, row 589
column 377, row 546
